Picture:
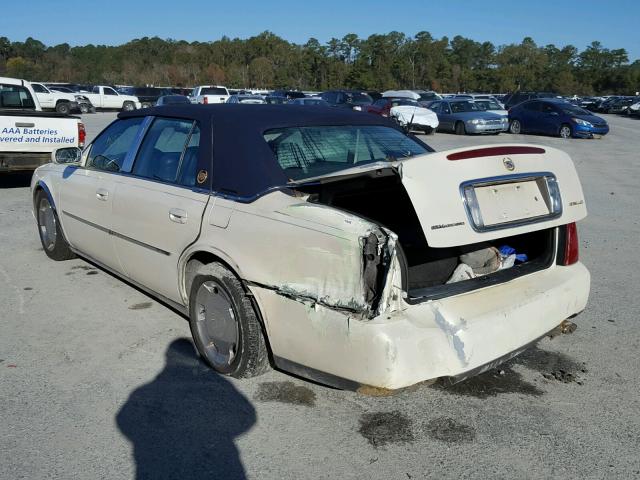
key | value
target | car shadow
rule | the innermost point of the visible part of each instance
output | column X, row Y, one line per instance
column 15, row 180
column 183, row 423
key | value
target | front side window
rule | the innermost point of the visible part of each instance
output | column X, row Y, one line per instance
column 109, row 150
column 16, row 96
column 110, row 91
column 38, row 88
column 169, row 152
column 306, row 152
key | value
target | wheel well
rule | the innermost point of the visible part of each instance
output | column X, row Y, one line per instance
column 200, row 258
column 62, row 101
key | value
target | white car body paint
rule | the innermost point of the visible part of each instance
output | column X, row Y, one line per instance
column 303, row 264
column 105, row 97
column 418, row 116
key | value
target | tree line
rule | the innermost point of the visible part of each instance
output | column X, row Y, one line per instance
column 379, row 62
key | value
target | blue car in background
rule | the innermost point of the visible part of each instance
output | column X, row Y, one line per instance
column 553, row 116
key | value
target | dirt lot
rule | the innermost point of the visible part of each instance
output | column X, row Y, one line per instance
column 98, row 380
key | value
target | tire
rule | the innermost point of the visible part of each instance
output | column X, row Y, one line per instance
column 429, row 131
column 224, row 325
column 460, row 129
column 84, row 108
column 565, row 131
column 63, row 108
column 53, row 242
column 128, row 106
column 515, row 127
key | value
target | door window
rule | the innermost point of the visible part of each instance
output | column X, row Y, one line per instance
column 38, row 88
column 109, row 91
column 109, row 150
column 169, row 152
column 444, row 108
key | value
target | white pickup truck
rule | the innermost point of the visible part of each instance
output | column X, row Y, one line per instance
column 106, row 98
column 208, row 94
column 27, row 134
column 64, row 103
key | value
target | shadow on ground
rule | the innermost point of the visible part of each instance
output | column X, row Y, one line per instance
column 184, row 422
column 15, row 180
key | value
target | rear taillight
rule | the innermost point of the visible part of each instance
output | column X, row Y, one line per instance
column 205, row 100
column 571, row 246
column 82, row 134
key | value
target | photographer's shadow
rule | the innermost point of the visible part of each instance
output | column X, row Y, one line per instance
column 183, row 424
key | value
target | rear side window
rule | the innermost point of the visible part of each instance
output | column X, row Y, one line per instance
column 109, row 150
column 169, row 152
column 16, row 96
column 532, row 106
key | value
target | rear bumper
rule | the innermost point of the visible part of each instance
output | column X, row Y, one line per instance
column 450, row 337
column 22, row 162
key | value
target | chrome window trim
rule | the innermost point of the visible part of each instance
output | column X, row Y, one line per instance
column 474, row 216
column 127, row 164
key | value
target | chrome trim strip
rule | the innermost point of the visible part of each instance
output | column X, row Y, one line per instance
column 553, row 199
column 116, row 234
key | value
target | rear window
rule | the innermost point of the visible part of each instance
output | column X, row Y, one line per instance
column 358, row 98
column 306, row 152
column 213, row 91
column 16, row 96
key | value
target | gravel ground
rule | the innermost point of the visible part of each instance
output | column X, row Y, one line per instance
column 98, row 380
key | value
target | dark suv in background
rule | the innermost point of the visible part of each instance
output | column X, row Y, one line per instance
column 518, row 97
column 148, row 95
column 353, row 99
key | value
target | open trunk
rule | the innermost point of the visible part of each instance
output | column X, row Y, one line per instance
column 382, row 198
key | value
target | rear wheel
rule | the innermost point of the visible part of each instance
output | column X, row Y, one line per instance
column 460, row 129
column 515, row 127
column 51, row 236
column 565, row 131
column 224, row 325
column 63, row 107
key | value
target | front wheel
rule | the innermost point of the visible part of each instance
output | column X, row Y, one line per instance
column 515, row 127
column 128, row 106
column 224, row 325
column 565, row 131
column 63, row 108
column 51, row 236
column 460, row 129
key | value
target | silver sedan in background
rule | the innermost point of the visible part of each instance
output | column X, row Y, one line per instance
column 465, row 116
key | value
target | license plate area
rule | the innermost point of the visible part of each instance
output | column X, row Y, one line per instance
column 509, row 201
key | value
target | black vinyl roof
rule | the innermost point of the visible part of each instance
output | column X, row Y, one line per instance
column 243, row 164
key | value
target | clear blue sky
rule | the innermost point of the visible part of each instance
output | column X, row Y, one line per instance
column 615, row 23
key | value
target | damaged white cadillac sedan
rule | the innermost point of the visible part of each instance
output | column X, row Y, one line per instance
column 323, row 241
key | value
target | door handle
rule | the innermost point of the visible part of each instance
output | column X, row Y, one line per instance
column 177, row 215
column 102, row 194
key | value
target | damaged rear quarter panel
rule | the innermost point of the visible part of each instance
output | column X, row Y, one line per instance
column 306, row 252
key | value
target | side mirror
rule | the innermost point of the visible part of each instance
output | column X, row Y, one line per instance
column 65, row 156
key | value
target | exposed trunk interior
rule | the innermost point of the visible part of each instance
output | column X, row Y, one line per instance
column 383, row 199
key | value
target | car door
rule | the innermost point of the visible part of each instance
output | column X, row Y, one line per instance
column 550, row 119
column 531, row 121
column 158, row 208
column 447, row 117
column 87, row 192
column 45, row 97
column 111, row 99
